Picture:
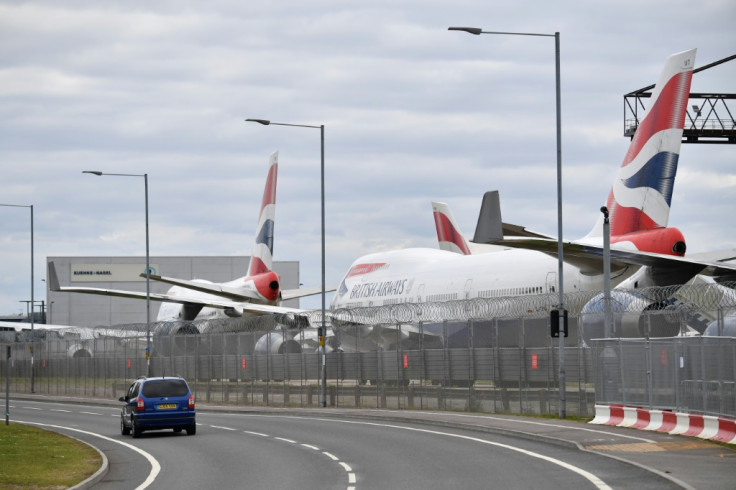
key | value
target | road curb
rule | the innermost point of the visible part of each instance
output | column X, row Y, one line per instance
column 96, row 476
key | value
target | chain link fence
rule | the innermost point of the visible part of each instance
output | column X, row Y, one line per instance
column 689, row 375
column 486, row 354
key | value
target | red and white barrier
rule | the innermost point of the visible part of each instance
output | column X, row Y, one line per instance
column 686, row 424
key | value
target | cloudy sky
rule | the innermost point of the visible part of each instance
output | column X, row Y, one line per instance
column 412, row 112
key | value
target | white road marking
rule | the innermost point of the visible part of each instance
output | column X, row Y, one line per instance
column 545, row 424
column 345, row 466
column 90, row 413
column 155, row 467
column 256, row 433
column 597, row 482
column 220, row 427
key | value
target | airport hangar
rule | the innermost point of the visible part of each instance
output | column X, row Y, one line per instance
column 123, row 273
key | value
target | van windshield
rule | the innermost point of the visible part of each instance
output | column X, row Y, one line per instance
column 165, row 387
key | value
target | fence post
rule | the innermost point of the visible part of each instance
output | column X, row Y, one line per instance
column 650, row 384
column 702, row 376
column 621, row 367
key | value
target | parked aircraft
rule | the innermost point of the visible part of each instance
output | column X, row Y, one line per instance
column 703, row 296
column 645, row 252
column 257, row 293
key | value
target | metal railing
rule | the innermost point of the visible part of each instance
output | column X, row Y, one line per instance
column 690, row 375
column 487, row 354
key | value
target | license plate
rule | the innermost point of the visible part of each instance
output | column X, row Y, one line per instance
column 167, row 406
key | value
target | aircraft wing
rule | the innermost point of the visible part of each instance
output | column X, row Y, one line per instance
column 209, row 301
column 589, row 258
column 716, row 255
column 233, row 293
column 510, row 230
column 302, row 292
column 202, row 287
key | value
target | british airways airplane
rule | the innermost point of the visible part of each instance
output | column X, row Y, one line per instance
column 645, row 251
column 256, row 293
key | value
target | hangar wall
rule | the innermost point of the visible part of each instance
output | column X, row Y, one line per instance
column 91, row 310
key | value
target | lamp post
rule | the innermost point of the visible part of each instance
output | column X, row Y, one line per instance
column 607, row 323
column 322, row 330
column 33, row 388
column 148, row 265
column 560, row 307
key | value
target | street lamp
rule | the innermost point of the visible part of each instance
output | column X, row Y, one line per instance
column 33, row 389
column 607, row 323
column 322, row 330
column 148, row 266
column 560, row 262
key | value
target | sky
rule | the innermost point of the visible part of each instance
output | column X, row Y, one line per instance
column 412, row 113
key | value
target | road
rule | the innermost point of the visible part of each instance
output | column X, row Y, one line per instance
column 289, row 449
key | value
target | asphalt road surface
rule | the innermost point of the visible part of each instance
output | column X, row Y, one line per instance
column 329, row 450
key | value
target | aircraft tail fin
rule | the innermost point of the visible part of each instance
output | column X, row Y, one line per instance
column 490, row 227
column 53, row 278
column 261, row 259
column 448, row 232
column 639, row 201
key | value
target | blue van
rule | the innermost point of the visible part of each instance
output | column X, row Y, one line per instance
column 158, row 403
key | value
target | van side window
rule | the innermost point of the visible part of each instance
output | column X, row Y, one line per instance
column 133, row 390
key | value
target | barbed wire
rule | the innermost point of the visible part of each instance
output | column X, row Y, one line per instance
column 673, row 300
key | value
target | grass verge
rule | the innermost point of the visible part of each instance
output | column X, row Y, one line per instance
column 38, row 458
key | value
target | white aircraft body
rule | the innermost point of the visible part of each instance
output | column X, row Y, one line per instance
column 645, row 252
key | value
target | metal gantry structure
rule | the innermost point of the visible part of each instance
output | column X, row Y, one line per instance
column 709, row 119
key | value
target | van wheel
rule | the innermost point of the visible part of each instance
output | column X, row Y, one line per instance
column 191, row 429
column 123, row 429
column 136, row 430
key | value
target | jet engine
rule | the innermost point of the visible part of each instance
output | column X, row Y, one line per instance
column 175, row 328
column 277, row 342
column 728, row 330
column 169, row 338
column 78, row 351
column 634, row 316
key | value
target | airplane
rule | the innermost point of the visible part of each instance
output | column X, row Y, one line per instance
column 644, row 251
column 703, row 320
column 256, row 293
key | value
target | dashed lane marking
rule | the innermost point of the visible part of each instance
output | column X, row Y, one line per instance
column 348, row 469
column 255, row 433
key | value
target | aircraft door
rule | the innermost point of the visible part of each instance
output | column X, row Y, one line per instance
column 420, row 293
column 551, row 282
column 468, row 285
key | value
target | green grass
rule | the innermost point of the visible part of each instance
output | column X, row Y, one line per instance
column 35, row 458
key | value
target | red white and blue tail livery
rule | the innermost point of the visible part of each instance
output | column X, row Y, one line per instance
column 261, row 259
column 639, row 201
